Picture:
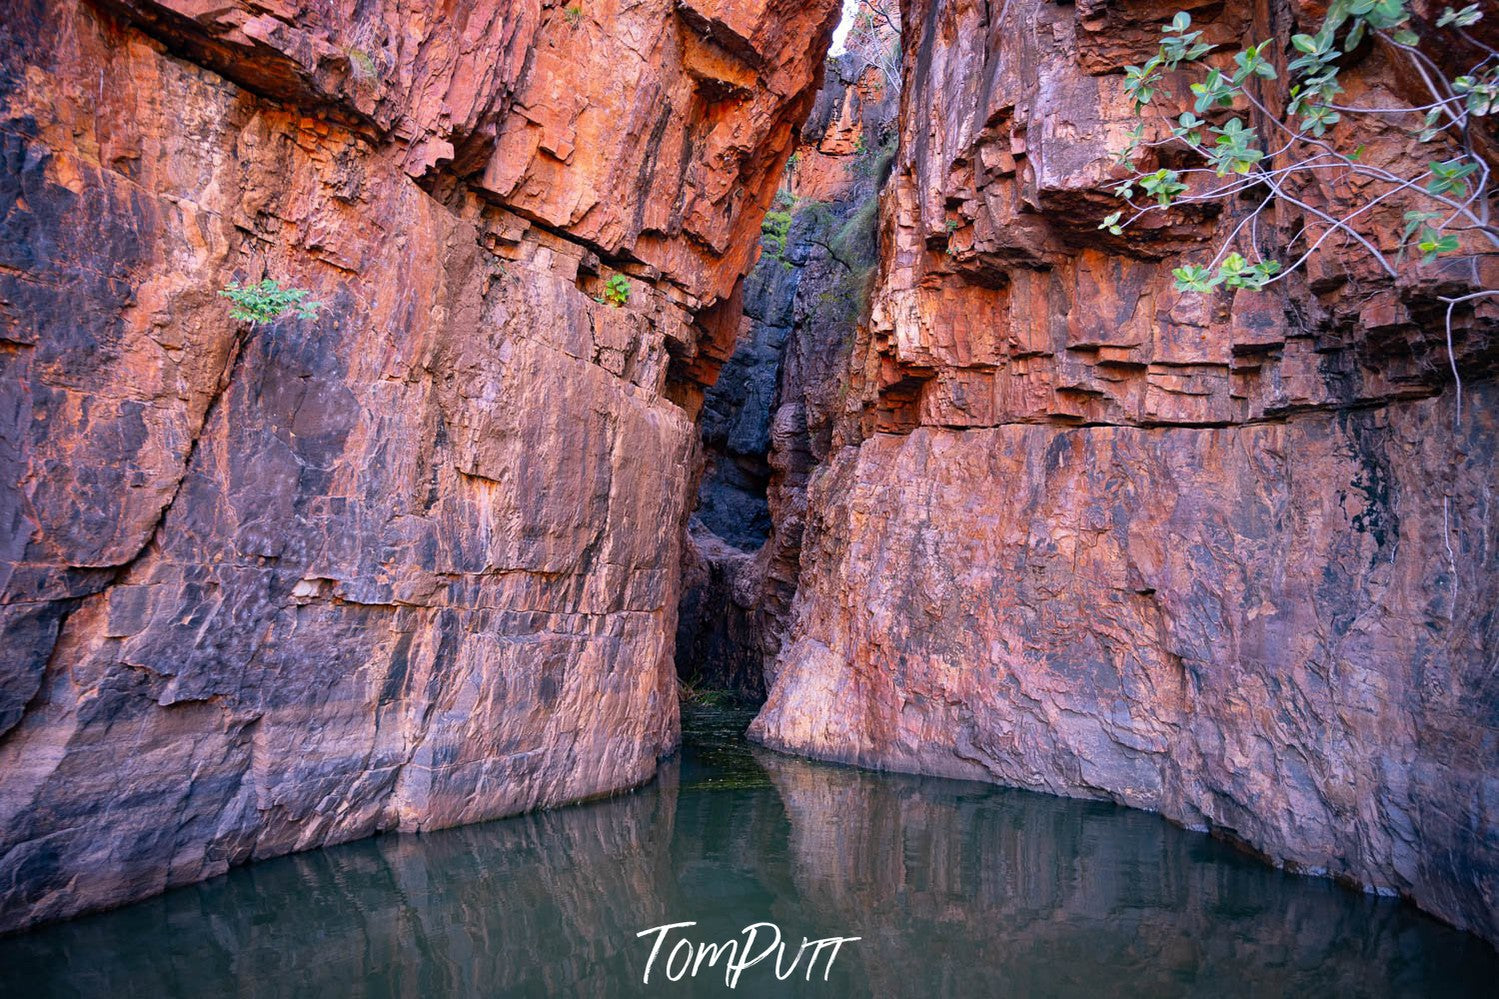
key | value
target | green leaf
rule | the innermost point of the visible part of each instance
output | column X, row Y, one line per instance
column 1180, row 45
column 1481, row 93
column 267, row 301
column 1234, row 151
column 1251, row 62
column 1163, row 185
column 1414, row 220
column 617, row 291
column 1264, row 271
column 1318, row 118
column 1465, row 18
column 1432, row 244
column 1449, row 176
column 1195, row 279
column 1214, row 90
column 1236, row 272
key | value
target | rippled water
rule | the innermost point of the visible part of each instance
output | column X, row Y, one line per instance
column 957, row 889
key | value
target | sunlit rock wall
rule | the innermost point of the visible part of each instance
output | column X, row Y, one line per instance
column 1234, row 558
column 413, row 562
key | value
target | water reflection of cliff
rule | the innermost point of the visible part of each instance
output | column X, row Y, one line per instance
column 975, row 890
column 957, row 890
column 543, row 904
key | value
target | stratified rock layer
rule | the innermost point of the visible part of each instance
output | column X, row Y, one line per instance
column 413, row 562
column 1232, row 557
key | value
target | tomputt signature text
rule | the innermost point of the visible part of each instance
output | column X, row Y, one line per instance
column 686, row 958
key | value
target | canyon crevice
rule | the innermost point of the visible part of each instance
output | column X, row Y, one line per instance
column 767, row 422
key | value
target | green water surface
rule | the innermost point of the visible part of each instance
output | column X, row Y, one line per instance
column 956, row 889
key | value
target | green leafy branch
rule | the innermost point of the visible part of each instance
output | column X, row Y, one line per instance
column 1269, row 153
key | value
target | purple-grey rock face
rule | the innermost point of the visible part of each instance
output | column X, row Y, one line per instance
column 1232, row 557
column 413, row 562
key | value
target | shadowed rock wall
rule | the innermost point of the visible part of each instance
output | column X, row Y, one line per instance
column 1233, row 558
column 413, row 562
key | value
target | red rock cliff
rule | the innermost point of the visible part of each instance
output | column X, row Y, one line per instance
column 411, row 563
column 1228, row 557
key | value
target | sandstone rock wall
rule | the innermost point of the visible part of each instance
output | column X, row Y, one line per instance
column 413, row 562
column 1229, row 557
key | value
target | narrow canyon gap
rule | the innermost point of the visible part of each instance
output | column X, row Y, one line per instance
column 767, row 422
column 411, row 563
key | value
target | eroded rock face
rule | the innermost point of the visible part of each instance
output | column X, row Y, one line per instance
column 413, row 562
column 1228, row 557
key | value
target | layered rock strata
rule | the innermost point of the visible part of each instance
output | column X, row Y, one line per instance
column 1234, row 558
column 412, row 562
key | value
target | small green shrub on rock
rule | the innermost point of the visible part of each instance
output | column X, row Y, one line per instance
column 617, row 291
column 268, row 301
column 362, row 63
column 775, row 231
